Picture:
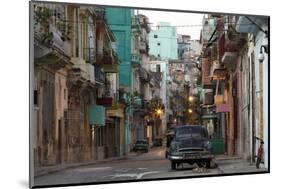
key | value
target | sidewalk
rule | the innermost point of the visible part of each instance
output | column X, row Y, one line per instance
column 231, row 165
column 56, row 168
column 226, row 157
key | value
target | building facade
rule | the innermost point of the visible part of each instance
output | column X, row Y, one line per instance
column 163, row 42
column 233, row 76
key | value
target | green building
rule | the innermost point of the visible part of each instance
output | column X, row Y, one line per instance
column 119, row 21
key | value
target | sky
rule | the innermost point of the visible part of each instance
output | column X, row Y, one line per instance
column 192, row 22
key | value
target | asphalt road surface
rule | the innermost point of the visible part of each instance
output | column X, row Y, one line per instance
column 138, row 166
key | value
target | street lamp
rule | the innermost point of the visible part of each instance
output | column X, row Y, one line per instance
column 190, row 98
column 158, row 112
column 190, row 111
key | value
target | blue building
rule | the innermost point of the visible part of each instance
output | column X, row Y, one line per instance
column 163, row 42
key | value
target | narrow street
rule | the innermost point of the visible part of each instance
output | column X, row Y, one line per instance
column 109, row 81
column 141, row 166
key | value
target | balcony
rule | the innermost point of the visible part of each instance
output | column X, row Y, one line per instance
column 49, row 48
column 206, row 79
column 229, row 45
column 105, row 101
column 137, row 102
column 109, row 61
column 51, row 33
column 84, row 71
column 208, row 98
column 229, row 59
column 245, row 24
column 135, row 59
column 136, row 24
column 99, row 75
column 217, row 71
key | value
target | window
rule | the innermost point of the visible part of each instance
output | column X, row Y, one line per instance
column 158, row 68
column 35, row 97
column 158, row 44
column 155, row 36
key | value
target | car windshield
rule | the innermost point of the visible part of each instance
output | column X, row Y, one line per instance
column 141, row 142
column 194, row 132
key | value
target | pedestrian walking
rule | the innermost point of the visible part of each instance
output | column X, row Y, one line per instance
column 260, row 155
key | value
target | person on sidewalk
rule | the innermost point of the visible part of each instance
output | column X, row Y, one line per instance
column 260, row 155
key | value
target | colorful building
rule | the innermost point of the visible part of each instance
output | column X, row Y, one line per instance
column 163, row 42
column 119, row 21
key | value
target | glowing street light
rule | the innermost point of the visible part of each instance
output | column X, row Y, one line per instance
column 190, row 98
column 190, row 111
column 158, row 111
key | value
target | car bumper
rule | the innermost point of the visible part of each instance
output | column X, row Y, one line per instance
column 190, row 157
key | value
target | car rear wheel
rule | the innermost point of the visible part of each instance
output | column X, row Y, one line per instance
column 173, row 165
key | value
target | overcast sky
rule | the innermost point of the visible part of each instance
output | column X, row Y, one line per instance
column 193, row 21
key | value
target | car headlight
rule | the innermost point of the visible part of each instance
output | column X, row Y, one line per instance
column 208, row 145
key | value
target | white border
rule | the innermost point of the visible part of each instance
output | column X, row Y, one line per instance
column 14, row 93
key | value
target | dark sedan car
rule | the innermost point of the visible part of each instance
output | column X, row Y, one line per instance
column 190, row 144
column 141, row 145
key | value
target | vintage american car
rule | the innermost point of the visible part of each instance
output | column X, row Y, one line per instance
column 190, row 144
column 141, row 145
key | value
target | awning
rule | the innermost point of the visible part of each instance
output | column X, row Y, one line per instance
column 97, row 115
